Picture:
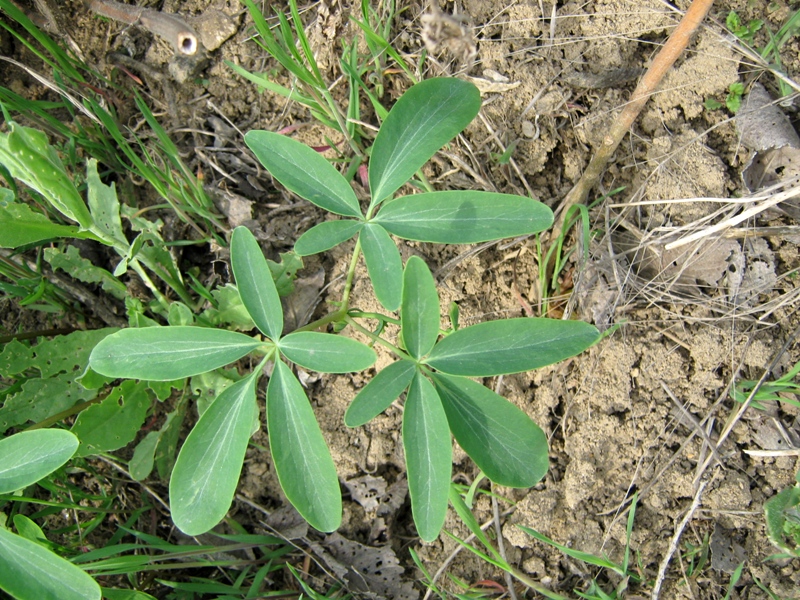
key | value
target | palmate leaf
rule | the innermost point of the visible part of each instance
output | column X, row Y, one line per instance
column 29, row 571
column 326, row 235
column 255, row 283
column 205, row 476
column 502, row 440
column 304, row 171
column 327, row 353
column 379, row 393
column 28, row 456
column 302, row 461
column 425, row 118
column 169, row 353
column 419, row 311
column 384, row 265
column 429, row 456
column 463, row 217
column 510, row 346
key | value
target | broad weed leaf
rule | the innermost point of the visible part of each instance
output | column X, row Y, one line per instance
column 29, row 571
column 419, row 311
column 302, row 461
column 463, row 217
column 304, row 171
column 425, row 118
column 502, row 440
column 326, row 235
column 19, row 225
column 168, row 353
column 379, row 393
column 205, row 476
column 510, row 346
column 384, row 265
column 104, row 206
column 429, row 456
column 326, row 352
column 29, row 456
column 255, row 283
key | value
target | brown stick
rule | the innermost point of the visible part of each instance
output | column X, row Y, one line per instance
column 665, row 58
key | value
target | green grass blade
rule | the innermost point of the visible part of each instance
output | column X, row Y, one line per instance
column 28, row 456
column 511, row 346
column 506, row 445
column 302, row 461
column 463, row 217
column 256, row 286
column 590, row 559
column 379, row 393
column 304, row 171
column 206, row 473
column 424, row 119
column 29, row 571
column 429, row 456
column 384, row 265
column 326, row 352
column 325, row 236
column 168, row 353
column 419, row 311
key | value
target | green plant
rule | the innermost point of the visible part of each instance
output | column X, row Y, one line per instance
column 780, row 390
column 782, row 513
column 440, row 399
column 744, row 32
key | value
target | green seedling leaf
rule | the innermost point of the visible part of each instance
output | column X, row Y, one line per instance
column 590, row 559
column 429, row 456
column 144, row 456
column 168, row 353
column 28, row 571
column 419, row 311
column 206, row 473
column 19, row 226
column 29, row 530
column 70, row 261
column 384, row 265
column 379, row 393
column 463, row 217
column 327, row 353
column 304, row 171
column 302, row 461
column 28, row 156
column 104, row 206
column 782, row 514
column 229, row 309
column 114, row 422
column 511, row 346
column 29, row 456
column 285, row 272
column 254, row 280
column 502, row 440
column 325, row 236
column 424, row 119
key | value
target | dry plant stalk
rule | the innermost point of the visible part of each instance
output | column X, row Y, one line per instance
column 669, row 53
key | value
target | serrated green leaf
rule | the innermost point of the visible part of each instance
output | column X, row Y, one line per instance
column 304, row 171
column 70, row 261
column 419, row 311
column 384, row 265
column 425, row 118
column 325, row 236
column 229, row 309
column 115, row 421
column 168, row 353
column 506, row 445
column 29, row 456
column 254, row 280
column 463, row 217
column 206, row 473
column 19, row 226
column 104, row 207
column 429, row 456
column 510, row 346
column 379, row 393
column 302, row 461
column 326, row 352
column 28, row 571
column 285, row 272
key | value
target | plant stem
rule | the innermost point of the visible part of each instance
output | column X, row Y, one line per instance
column 376, row 338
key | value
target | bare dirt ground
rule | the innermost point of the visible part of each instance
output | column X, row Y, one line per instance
column 639, row 412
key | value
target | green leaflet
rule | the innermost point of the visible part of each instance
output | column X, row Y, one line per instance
column 379, row 393
column 326, row 235
column 206, row 473
column 327, row 353
column 510, row 346
column 304, row 465
column 419, row 311
column 384, row 265
column 28, row 456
